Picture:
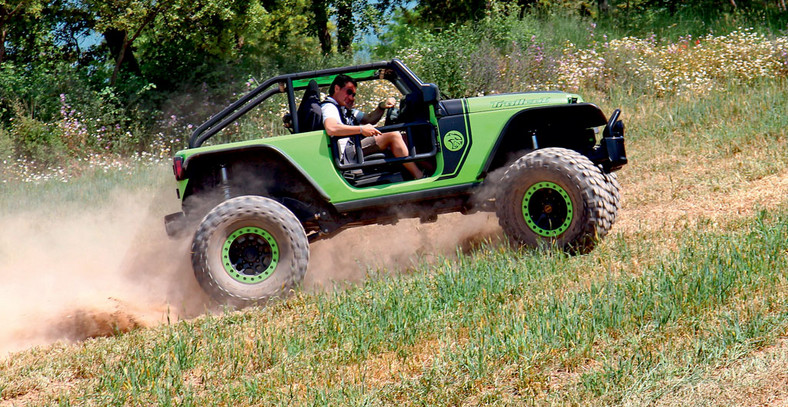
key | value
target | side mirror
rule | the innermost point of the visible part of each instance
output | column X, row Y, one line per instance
column 430, row 93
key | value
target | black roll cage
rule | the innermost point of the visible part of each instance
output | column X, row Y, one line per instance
column 406, row 79
column 413, row 155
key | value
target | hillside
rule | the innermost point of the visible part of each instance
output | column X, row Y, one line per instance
column 684, row 303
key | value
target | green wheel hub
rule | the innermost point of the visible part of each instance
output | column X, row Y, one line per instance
column 250, row 255
column 547, row 209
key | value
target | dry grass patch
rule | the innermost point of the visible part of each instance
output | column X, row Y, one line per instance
column 743, row 200
column 761, row 379
column 389, row 368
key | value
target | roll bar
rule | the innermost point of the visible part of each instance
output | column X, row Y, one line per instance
column 286, row 84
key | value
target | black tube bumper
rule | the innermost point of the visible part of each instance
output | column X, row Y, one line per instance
column 611, row 153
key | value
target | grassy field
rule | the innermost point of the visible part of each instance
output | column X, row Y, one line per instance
column 684, row 303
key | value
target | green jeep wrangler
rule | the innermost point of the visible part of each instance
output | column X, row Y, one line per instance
column 537, row 159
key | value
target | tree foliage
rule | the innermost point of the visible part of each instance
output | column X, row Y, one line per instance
column 122, row 68
column 13, row 16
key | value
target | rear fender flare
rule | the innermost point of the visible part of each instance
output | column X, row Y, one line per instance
column 228, row 156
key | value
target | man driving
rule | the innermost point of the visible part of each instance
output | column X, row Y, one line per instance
column 341, row 119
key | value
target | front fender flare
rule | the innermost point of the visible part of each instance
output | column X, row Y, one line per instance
column 575, row 115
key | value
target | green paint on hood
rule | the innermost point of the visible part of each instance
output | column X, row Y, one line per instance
column 521, row 100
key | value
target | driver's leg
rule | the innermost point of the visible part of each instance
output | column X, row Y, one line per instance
column 394, row 142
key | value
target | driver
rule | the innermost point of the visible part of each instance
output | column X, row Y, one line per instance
column 340, row 119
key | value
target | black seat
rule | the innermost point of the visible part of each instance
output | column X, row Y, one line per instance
column 310, row 115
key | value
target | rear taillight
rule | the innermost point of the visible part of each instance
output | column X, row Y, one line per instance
column 177, row 168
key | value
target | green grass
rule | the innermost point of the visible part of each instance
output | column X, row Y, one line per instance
column 721, row 118
column 695, row 21
column 697, row 146
column 91, row 189
column 495, row 326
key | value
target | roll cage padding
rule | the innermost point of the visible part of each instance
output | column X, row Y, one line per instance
column 310, row 115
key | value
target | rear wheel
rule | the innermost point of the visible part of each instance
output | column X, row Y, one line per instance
column 558, row 197
column 249, row 249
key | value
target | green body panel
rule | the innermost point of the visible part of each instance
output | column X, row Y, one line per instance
column 182, row 185
column 485, row 118
column 485, row 129
column 310, row 152
column 489, row 115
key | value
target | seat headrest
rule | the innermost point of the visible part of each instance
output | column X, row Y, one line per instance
column 312, row 89
column 310, row 115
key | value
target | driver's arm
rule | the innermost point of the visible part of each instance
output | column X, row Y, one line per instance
column 375, row 115
column 336, row 129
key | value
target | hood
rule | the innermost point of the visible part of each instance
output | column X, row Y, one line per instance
column 519, row 101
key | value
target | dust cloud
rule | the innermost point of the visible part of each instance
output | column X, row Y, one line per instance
column 110, row 268
column 91, row 272
column 348, row 256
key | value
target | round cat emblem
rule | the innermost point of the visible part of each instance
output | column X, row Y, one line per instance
column 454, row 140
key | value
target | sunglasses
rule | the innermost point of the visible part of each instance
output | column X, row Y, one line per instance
column 348, row 91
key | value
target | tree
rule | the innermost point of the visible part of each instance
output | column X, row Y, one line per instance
column 346, row 26
column 603, row 6
column 439, row 12
column 121, row 22
column 319, row 26
column 207, row 40
column 353, row 18
column 8, row 10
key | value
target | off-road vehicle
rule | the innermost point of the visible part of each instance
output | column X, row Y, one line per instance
column 543, row 161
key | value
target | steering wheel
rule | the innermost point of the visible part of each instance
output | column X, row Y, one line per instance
column 393, row 114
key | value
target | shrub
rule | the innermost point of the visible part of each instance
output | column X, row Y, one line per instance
column 465, row 62
column 691, row 65
column 55, row 107
column 6, row 145
column 36, row 140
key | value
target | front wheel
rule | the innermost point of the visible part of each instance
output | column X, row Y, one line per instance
column 249, row 249
column 558, row 197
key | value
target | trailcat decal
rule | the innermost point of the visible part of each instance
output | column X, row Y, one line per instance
column 519, row 102
column 456, row 140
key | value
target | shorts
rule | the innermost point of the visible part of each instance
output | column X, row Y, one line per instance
column 368, row 146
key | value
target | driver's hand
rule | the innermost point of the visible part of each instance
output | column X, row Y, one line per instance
column 368, row 130
column 387, row 103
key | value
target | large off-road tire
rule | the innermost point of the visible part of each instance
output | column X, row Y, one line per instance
column 556, row 196
column 613, row 203
column 248, row 250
